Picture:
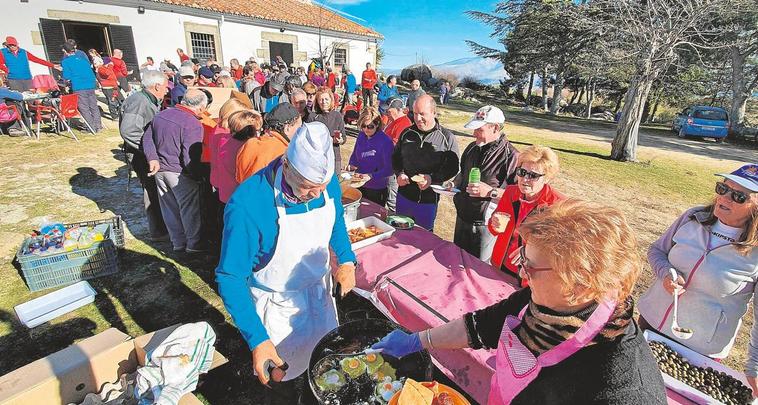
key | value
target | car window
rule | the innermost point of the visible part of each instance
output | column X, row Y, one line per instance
column 714, row 115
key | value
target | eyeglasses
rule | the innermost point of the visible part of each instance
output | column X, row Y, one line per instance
column 369, row 126
column 522, row 263
column 310, row 94
column 737, row 196
column 521, row 172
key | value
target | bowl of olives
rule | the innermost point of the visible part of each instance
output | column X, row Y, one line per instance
column 695, row 376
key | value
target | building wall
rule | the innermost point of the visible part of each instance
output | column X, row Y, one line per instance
column 159, row 33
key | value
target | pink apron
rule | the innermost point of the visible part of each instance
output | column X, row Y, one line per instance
column 516, row 367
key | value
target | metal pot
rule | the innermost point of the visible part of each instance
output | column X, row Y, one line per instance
column 351, row 202
column 355, row 336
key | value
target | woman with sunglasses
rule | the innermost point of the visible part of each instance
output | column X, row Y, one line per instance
column 714, row 252
column 536, row 167
column 570, row 337
column 372, row 155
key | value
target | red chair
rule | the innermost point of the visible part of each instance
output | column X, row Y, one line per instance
column 70, row 109
column 10, row 114
column 51, row 115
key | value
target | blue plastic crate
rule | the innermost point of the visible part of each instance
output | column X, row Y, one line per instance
column 100, row 259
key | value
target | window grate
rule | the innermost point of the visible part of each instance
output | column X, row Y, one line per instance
column 340, row 57
column 203, row 46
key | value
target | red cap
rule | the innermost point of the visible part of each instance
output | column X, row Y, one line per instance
column 11, row 41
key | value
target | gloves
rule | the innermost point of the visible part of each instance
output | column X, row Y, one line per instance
column 399, row 344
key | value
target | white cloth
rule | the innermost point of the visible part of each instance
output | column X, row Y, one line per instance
column 310, row 152
column 722, row 234
column 173, row 368
column 292, row 292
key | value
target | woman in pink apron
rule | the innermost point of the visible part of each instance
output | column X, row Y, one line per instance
column 569, row 338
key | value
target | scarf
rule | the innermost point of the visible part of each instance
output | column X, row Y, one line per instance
column 542, row 329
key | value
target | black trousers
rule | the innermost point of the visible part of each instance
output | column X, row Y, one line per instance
column 114, row 99
column 293, row 392
column 140, row 166
column 368, row 97
column 377, row 196
column 468, row 235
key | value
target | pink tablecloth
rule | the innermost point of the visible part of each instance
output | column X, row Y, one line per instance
column 421, row 281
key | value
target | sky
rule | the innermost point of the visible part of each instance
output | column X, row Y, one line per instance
column 435, row 29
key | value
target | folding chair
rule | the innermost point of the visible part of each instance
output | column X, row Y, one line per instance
column 70, row 109
column 51, row 115
column 10, row 114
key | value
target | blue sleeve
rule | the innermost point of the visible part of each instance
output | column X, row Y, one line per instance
column 339, row 241
column 148, row 144
column 10, row 94
column 239, row 253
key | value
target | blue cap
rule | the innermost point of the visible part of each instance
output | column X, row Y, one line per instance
column 746, row 176
column 206, row 72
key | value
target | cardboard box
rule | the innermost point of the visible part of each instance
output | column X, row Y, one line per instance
column 221, row 95
column 68, row 375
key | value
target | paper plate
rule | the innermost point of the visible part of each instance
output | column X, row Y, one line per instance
column 444, row 191
column 457, row 398
column 400, row 222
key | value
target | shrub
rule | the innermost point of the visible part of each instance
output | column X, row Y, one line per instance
column 472, row 83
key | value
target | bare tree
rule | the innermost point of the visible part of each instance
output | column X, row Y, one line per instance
column 742, row 26
column 649, row 33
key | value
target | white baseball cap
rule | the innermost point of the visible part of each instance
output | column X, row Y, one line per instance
column 489, row 114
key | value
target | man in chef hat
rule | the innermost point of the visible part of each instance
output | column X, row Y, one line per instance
column 273, row 274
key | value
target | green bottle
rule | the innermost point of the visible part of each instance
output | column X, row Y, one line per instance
column 474, row 176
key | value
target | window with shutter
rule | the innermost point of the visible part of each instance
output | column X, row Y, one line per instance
column 122, row 38
column 53, row 37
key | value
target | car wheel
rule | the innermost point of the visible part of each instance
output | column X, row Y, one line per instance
column 681, row 133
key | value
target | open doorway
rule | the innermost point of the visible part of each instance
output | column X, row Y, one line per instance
column 281, row 49
column 88, row 36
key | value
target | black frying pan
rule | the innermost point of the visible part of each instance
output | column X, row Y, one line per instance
column 353, row 337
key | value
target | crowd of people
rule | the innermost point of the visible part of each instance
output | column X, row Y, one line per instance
column 254, row 181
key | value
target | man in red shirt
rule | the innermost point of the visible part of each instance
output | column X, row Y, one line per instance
column 109, row 84
column 14, row 61
column 119, row 67
column 398, row 122
column 368, row 81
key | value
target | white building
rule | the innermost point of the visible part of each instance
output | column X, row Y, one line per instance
column 206, row 29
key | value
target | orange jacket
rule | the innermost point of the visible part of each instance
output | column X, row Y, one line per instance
column 257, row 153
column 368, row 79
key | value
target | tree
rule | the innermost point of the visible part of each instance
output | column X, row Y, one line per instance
column 742, row 36
column 650, row 33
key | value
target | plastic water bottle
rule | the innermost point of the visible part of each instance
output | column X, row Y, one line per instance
column 474, row 176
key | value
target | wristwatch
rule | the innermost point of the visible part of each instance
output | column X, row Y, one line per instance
column 494, row 193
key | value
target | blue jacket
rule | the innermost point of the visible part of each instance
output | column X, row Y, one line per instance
column 7, row 94
column 386, row 92
column 250, row 232
column 18, row 65
column 177, row 93
column 77, row 69
column 351, row 84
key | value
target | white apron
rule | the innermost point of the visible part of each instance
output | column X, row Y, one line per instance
column 292, row 292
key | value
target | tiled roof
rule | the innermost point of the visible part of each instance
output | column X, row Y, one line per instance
column 299, row 12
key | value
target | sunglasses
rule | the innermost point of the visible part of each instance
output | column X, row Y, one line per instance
column 521, row 172
column 737, row 196
column 369, row 126
column 523, row 263
column 310, row 94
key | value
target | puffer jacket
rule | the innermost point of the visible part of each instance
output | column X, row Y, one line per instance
column 136, row 113
column 718, row 285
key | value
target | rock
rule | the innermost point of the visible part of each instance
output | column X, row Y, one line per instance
column 417, row 72
column 433, row 83
column 462, row 92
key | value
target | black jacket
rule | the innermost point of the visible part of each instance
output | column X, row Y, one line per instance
column 620, row 372
column 434, row 153
column 497, row 163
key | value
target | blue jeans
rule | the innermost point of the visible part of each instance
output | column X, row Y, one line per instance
column 423, row 214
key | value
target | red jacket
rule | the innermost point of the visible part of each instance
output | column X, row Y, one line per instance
column 368, row 79
column 119, row 67
column 396, row 127
column 236, row 73
column 106, row 76
column 508, row 241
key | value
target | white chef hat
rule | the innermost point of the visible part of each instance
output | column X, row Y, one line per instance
column 310, row 152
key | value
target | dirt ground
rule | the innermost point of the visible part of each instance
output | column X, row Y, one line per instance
column 70, row 181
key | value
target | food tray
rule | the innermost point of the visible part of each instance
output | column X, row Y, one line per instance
column 55, row 304
column 386, row 229
column 696, row 359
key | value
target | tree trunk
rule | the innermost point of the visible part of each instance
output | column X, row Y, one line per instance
column 544, row 88
column 531, row 84
column 618, row 103
column 624, row 147
column 740, row 91
column 590, row 97
column 655, row 107
column 581, row 94
column 558, row 88
column 573, row 97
